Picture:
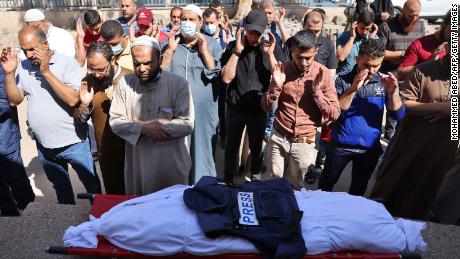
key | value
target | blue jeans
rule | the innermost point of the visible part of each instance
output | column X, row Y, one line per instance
column 55, row 162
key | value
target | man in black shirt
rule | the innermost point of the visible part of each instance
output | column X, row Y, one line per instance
column 247, row 71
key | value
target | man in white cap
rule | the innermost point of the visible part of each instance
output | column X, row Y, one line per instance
column 196, row 57
column 59, row 39
column 152, row 110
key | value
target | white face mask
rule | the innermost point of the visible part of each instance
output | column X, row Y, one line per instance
column 210, row 29
column 188, row 29
column 117, row 49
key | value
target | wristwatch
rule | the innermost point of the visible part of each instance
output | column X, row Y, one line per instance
column 402, row 55
column 238, row 54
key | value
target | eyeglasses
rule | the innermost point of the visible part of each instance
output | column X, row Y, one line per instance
column 98, row 71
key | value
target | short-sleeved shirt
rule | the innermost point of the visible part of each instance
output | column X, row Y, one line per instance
column 396, row 39
column 9, row 126
column 421, row 50
column 326, row 52
column 350, row 61
column 50, row 119
column 124, row 23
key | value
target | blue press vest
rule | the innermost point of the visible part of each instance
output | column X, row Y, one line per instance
column 263, row 212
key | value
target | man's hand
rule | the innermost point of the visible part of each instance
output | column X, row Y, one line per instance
column 374, row 30
column 225, row 22
column 155, row 131
column 173, row 41
column 280, row 19
column 86, row 95
column 202, row 43
column 278, row 74
column 316, row 85
column 44, row 57
column 155, row 31
column 109, row 92
column 384, row 16
column 9, row 60
column 80, row 30
column 269, row 46
column 359, row 80
column 239, row 40
column 353, row 27
column 437, row 52
column 390, row 83
column 132, row 32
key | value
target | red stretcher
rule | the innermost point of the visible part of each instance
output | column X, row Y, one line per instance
column 104, row 202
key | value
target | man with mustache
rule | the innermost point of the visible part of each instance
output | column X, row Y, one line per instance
column 152, row 110
column 304, row 92
column 397, row 34
column 50, row 82
column 96, row 93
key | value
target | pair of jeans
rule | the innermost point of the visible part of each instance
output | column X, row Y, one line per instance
column 55, row 163
column 15, row 189
column 235, row 122
column 337, row 158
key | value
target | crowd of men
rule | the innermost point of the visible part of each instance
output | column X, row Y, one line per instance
column 160, row 98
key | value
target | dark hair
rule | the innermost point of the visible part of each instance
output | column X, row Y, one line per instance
column 447, row 18
column 91, row 17
column 366, row 18
column 175, row 8
column 304, row 40
column 372, row 48
column 110, row 29
column 317, row 10
column 208, row 12
column 100, row 47
column 215, row 3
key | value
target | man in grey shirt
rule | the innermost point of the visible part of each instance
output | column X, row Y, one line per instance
column 50, row 82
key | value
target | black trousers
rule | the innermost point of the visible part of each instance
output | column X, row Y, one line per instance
column 363, row 166
column 255, row 126
column 15, row 189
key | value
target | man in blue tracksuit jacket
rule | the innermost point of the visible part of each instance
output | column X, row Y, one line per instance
column 363, row 94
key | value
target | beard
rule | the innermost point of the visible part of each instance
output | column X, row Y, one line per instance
column 408, row 26
column 154, row 76
column 106, row 81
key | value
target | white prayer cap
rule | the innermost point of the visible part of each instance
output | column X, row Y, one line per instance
column 146, row 41
column 33, row 15
column 194, row 8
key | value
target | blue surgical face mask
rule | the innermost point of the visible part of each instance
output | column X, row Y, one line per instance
column 210, row 29
column 187, row 29
column 117, row 49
